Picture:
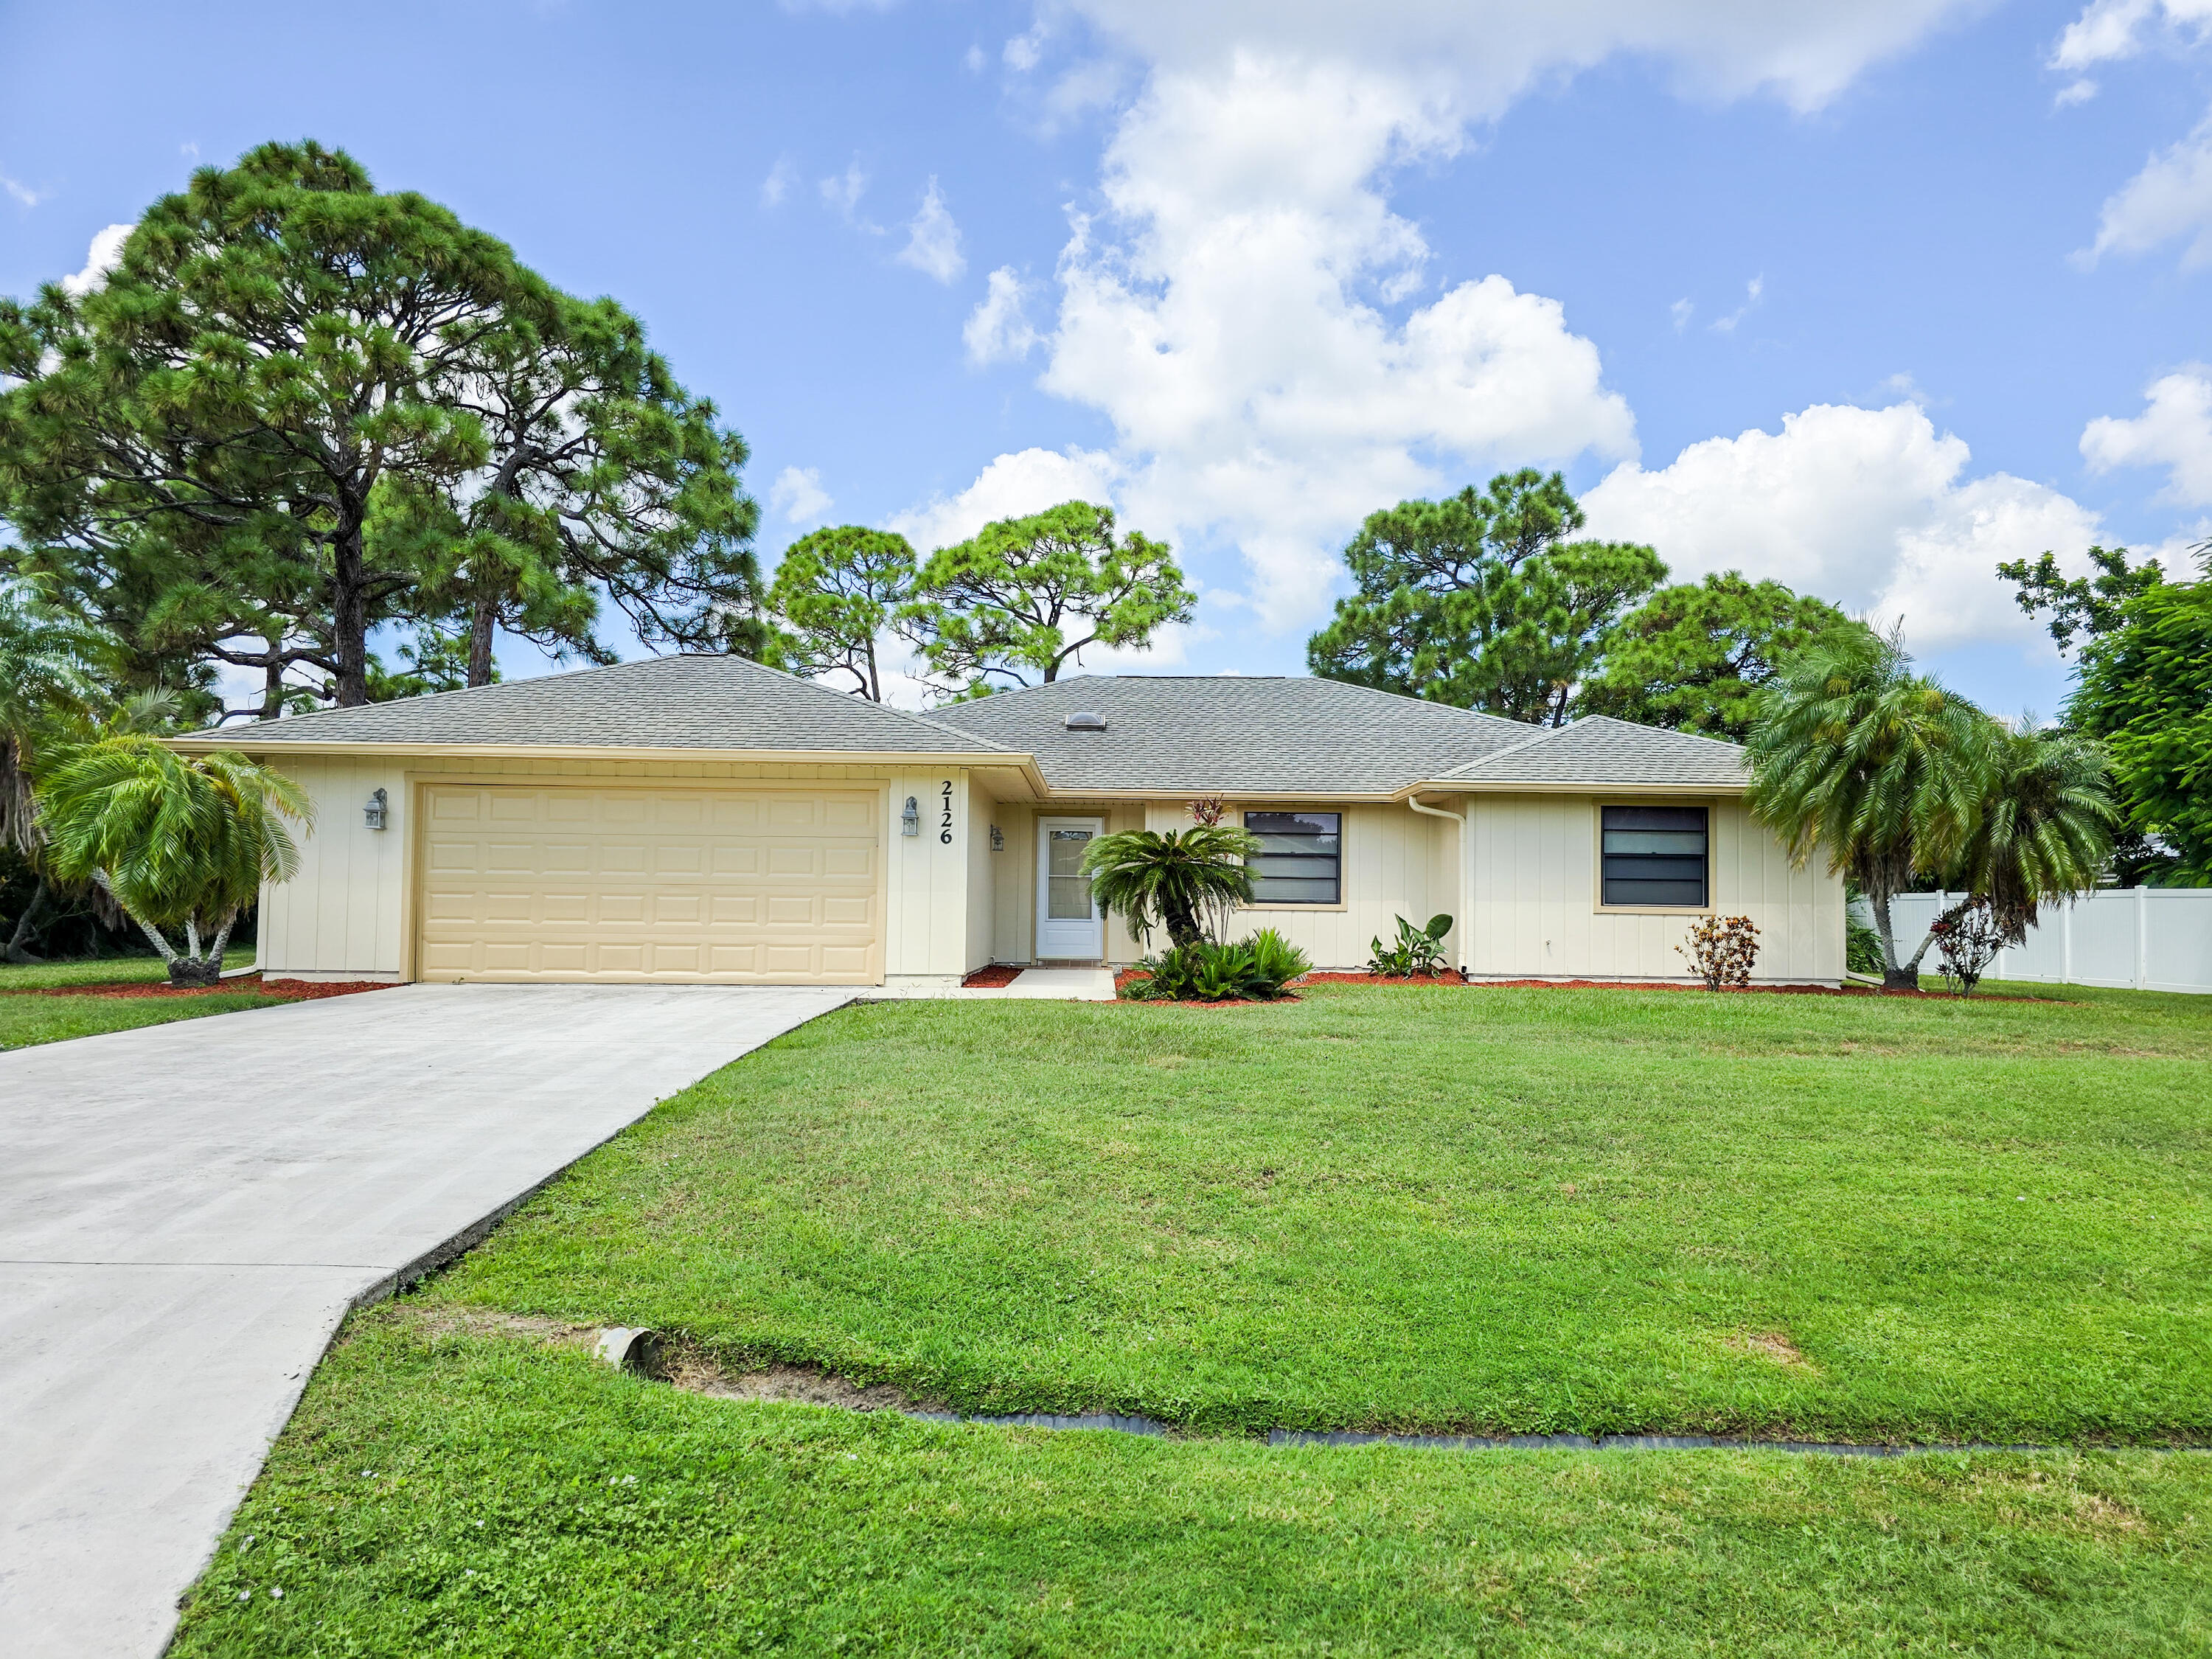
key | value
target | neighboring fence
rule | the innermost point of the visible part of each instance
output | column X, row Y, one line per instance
column 2149, row 938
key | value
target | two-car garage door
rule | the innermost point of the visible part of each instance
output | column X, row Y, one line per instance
column 667, row 886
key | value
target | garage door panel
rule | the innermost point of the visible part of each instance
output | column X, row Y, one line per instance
column 670, row 886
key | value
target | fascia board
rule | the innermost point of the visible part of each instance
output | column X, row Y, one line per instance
column 1552, row 787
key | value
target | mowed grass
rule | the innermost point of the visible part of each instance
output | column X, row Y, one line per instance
column 474, row 1494
column 100, row 970
column 27, row 1020
column 1874, row 1219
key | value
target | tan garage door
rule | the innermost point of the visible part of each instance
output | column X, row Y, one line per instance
column 669, row 885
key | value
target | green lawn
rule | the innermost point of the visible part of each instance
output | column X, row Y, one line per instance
column 1409, row 1208
column 479, row 1495
column 102, row 970
column 1513, row 1210
column 25, row 1020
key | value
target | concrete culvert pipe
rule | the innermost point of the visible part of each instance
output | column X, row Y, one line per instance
column 629, row 1348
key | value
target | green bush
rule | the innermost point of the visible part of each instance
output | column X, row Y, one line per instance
column 1256, row 968
column 1418, row 949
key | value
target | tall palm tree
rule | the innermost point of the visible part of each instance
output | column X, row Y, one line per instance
column 179, row 842
column 2046, row 833
column 1887, row 769
column 46, row 680
column 1178, row 880
column 48, row 688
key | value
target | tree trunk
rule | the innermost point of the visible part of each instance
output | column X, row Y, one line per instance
column 16, row 952
column 1183, row 926
column 483, row 623
column 350, row 613
column 272, row 686
column 1893, row 977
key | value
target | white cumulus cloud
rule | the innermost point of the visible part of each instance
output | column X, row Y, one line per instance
column 1868, row 508
column 2174, row 431
column 999, row 331
column 797, row 495
column 1027, row 481
column 1481, row 54
column 104, row 255
column 2171, row 198
column 2109, row 30
column 933, row 245
column 1226, row 315
column 1236, row 308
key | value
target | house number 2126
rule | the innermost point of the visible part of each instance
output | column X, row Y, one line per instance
column 944, row 834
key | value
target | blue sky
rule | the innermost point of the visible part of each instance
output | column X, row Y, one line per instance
column 1864, row 297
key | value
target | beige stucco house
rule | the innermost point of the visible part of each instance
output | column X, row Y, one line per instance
column 701, row 818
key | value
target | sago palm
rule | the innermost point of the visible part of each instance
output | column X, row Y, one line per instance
column 1885, row 769
column 180, row 842
column 1180, row 880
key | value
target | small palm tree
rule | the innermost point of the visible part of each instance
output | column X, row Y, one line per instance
column 1178, row 880
column 179, row 842
column 1890, row 772
column 2046, row 832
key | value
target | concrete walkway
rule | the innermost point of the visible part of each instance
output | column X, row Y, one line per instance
column 187, row 1211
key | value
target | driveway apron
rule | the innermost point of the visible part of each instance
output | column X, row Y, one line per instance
column 187, row 1212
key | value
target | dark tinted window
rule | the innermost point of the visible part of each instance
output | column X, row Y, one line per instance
column 1655, row 855
column 1298, row 860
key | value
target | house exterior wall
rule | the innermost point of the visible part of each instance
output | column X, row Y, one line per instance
column 1394, row 862
column 349, row 914
column 1527, row 865
column 1532, row 869
column 344, row 916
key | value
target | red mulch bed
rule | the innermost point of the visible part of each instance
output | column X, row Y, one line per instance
column 1380, row 978
column 996, row 977
column 289, row 990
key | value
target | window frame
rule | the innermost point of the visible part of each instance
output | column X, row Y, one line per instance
column 1244, row 812
column 1598, row 904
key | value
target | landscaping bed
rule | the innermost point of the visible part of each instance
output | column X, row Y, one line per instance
column 280, row 990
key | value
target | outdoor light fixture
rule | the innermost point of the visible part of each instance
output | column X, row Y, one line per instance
column 910, row 820
column 998, row 841
column 374, row 812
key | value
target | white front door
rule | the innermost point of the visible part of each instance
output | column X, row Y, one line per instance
column 1068, row 928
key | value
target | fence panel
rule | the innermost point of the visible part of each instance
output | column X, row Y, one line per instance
column 2148, row 939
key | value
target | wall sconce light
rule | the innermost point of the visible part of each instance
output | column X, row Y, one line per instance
column 910, row 820
column 374, row 812
column 998, row 841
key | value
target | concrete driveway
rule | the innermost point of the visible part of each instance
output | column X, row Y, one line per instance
column 187, row 1211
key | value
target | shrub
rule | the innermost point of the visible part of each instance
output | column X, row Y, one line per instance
column 1862, row 946
column 1417, row 951
column 1968, row 937
column 1277, row 960
column 1721, row 950
column 1256, row 968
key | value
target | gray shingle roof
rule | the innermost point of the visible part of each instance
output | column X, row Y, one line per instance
column 1604, row 751
column 1233, row 734
column 660, row 702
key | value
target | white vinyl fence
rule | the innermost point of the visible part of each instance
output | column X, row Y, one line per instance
column 2149, row 938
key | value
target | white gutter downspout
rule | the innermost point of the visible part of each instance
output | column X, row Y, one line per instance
column 1459, row 863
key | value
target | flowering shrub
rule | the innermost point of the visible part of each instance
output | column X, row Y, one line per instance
column 1207, row 809
column 1721, row 950
column 1967, row 938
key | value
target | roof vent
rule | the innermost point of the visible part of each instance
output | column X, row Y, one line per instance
column 1083, row 721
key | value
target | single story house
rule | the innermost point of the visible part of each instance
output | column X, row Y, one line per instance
column 705, row 819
